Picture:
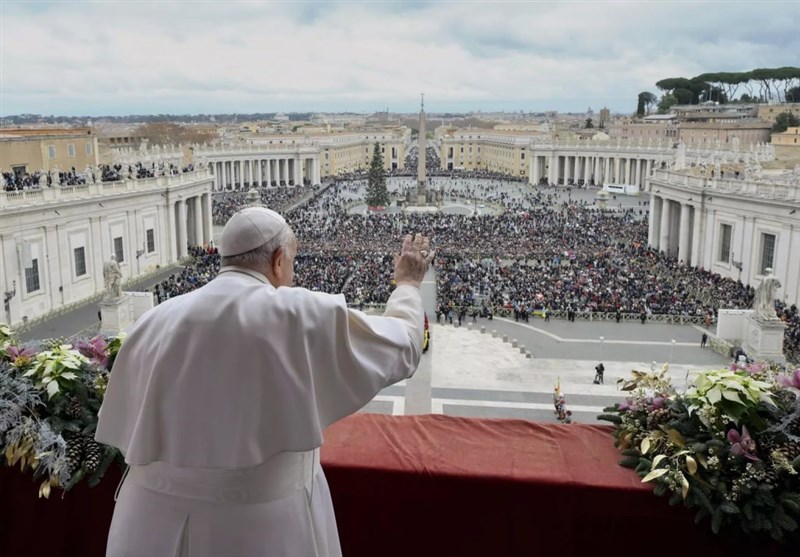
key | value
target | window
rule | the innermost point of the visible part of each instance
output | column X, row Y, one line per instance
column 725, row 233
column 71, row 150
column 32, row 276
column 767, row 252
column 89, row 149
column 51, row 151
column 80, row 261
column 151, row 240
column 118, row 249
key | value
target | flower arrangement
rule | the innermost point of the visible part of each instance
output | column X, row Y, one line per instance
column 728, row 446
column 50, row 394
column 560, row 402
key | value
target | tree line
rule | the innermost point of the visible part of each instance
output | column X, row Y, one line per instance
column 760, row 85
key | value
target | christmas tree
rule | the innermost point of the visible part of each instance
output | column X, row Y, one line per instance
column 377, row 194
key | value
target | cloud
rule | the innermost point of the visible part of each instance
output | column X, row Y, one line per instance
column 154, row 57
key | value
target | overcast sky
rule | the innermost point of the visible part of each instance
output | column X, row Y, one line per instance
column 123, row 57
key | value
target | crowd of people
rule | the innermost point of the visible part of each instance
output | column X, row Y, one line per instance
column 544, row 252
column 18, row 181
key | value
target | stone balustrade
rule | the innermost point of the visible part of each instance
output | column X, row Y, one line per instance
column 58, row 194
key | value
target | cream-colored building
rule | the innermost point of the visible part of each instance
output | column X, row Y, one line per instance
column 54, row 241
column 501, row 151
column 769, row 112
column 34, row 149
column 737, row 228
column 293, row 159
column 749, row 132
column 787, row 145
column 791, row 138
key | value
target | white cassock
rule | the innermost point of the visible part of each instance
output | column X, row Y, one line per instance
column 218, row 400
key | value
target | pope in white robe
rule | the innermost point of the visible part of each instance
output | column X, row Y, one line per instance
column 218, row 399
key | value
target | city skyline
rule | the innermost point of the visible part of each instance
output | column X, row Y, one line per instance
column 119, row 58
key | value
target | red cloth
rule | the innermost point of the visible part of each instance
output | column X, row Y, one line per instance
column 440, row 485
column 431, row 485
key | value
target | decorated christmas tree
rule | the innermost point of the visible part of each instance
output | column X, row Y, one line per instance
column 377, row 194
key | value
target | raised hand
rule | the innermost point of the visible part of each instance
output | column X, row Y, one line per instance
column 412, row 263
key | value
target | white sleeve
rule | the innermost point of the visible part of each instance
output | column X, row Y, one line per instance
column 366, row 353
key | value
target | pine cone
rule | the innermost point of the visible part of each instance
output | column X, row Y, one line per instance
column 93, row 453
column 74, row 409
column 74, row 452
column 790, row 450
column 767, row 443
column 658, row 417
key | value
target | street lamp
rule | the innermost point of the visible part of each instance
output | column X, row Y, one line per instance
column 602, row 346
column 671, row 350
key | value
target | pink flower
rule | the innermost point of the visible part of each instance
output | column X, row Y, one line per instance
column 742, row 444
column 790, row 380
column 15, row 352
column 96, row 350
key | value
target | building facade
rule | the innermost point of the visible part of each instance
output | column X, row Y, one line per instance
column 300, row 159
column 34, row 149
column 737, row 228
column 471, row 149
column 54, row 241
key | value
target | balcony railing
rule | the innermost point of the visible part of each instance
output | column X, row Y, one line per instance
column 10, row 199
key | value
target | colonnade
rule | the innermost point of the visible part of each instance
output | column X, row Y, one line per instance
column 190, row 223
column 674, row 228
column 596, row 167
column 240, row 173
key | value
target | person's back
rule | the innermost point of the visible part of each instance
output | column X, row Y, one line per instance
column 218, row 400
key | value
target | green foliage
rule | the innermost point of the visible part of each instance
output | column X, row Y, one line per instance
column 377, row 194
column 686, row 445
column 645, row 100
column 50, row 397
column 773, row 84
column 784, row 121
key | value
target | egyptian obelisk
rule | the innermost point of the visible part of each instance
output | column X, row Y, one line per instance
column 422, row 197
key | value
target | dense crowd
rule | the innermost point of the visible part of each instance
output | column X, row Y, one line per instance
column 544, row 252
column 225, row 204
column 18, row 181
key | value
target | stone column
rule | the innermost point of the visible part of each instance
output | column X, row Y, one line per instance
column 685, row 234
column 654, row 221
column 208, row 225
column 172, row 232
column 663, row 241
column 198, row 220
column 268, row 170
column 534, row 170
column 551, row 169
column 696, row 255
column 638, row 181
column 181, row 228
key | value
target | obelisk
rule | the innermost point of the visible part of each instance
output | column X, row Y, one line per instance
column 422, row 197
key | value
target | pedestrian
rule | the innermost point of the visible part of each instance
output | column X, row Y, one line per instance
column 546, row 315
column 703, row 340
column 236, row 397
column 598, row 375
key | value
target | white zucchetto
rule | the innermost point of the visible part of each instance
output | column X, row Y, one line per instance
column 250, row 228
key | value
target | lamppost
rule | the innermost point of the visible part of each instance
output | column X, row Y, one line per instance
column 671, row 350
column 602, row 347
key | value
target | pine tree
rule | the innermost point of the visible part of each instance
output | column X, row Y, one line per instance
column 377, row 194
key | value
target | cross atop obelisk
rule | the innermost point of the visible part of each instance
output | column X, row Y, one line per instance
column 421, row 179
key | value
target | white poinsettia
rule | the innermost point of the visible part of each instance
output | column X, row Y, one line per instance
column 732, row 392
column 55, row 368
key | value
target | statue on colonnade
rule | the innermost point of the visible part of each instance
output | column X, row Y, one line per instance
column 766, row 293
column 112, row 279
